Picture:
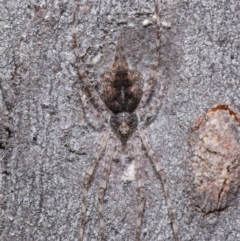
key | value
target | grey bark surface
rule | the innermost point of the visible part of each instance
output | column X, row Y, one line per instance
column 46, row 142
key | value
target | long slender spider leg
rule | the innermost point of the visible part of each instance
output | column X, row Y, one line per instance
column 162, row 176
column 87, row 179
column 103, row 184
column 151, row 110
column 82, row 73
column 88, row 110
column 140, row 184
column 153, row 76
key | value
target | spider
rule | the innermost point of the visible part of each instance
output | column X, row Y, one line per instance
column 124, row 106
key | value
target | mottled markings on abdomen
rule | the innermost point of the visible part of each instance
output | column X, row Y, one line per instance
column 121, row 90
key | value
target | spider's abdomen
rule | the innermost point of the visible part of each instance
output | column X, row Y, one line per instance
column 124, row 124
column 121, row 89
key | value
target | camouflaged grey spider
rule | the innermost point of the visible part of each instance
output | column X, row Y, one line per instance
column 123, row 99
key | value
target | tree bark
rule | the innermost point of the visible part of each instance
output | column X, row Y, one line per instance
column 46, row 141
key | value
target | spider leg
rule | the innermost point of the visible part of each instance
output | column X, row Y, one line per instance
column 162, row 176
column 140, row 184
column 151, row 110
column 89, row 109
column 82, row 73
column 103, row 184
column 87, row 179
column 153, row 76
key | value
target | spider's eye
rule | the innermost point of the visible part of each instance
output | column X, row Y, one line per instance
column 124, row 129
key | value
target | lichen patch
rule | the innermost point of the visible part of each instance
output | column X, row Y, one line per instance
column 215, row 158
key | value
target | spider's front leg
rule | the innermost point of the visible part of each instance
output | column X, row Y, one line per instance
column 140, row 184
column 87, row 179
column 103, row 183
column 162, row 176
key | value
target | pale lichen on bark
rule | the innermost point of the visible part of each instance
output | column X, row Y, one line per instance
column 215, row 159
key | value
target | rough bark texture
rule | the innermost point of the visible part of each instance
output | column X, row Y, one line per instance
column 46, row 143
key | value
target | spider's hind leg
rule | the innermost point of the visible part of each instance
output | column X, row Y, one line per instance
column 90, row 110
column 147, row 114
column 153, row 75
column 82, row 74
column 153, row 91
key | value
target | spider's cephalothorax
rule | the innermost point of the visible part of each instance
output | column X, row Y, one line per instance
column 121, row 88
column 124, row 124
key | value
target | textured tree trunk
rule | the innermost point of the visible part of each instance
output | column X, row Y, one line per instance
column 46, row 142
